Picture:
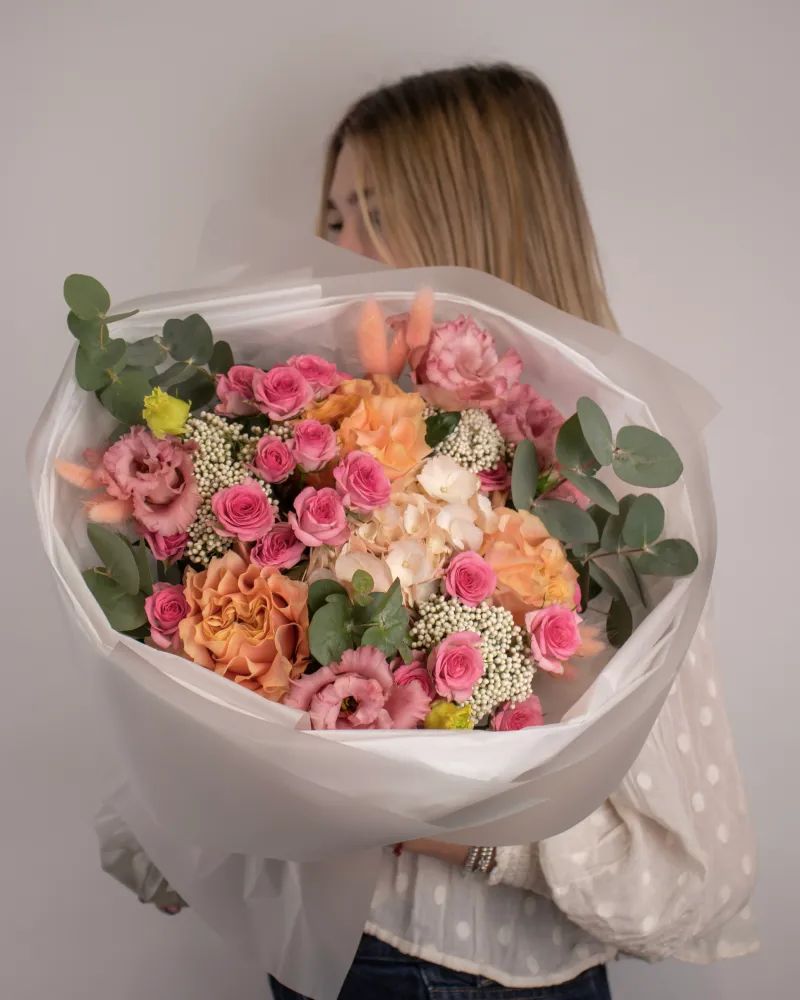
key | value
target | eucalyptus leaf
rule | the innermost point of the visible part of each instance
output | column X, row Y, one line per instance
column 644, row 458
column 141, row 554
column 619, row 624
column 85, row 296
column 87, row 331
column 221, row 358
column 596, row 430
column 670, row 557
column 362, row 582
column 125, row 612
column 524, row 475
column 611, row 537
column 595, row 490
column 175, row 374
column 299, row 571
column 117, row 556
column 606, row 582
column 189, row 339
column 439, row 426
column 168, row 572
column 119, row 316
column 644, row 521
column 89, row 374
column 572, row 449
column 318, row 593
column 329, row 633
column 197, row 390
column 124, row 398
column 566, row 521
column 146, row 353
column 599, row 515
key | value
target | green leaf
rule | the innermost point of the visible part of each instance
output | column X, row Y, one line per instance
column 524, row 475
column 189, row 339
column 117, row 556
column 146, row 353
column 197, row 390
column 644, row 458
column 87, row 331
column 89, row 375
column 605, row 581
column 596, row 429
column 388, row 638
column 85, row 296
column 125, row 612
column 572, row 450
column 583, row 583
column 299, row 571
column 119, row 431
column 328, row 634
column 318, row 593
column 176, row 373
column 619, row 624
column 362, row 582
column 116, row 318
column 141, row 554
column 405, row 652
column 611, row 538
column 168, row 572
column 439, row 425
column 124, row 398
column 672, row 557
column 644, row 522
column 221, row 358
column 599, row 515
column 566, row 521
column 595, row 490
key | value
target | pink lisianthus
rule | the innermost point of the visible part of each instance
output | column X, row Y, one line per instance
column 313, row 444
column 498, row 478
column 521, row 716
column 235, row 391
column 155, row 479
column 359, row 692
column 457, row 665
column 273, row 459
column 469, row 578
column 459, row 367
column 525, row 415
column 555, row 636
column 282, row 392
column 279, row 548
column 414, row 673
column 319, row 517
column 165, row 547
column 244, row 511
column 362, row 482
column 166, row 608
column 321, row 375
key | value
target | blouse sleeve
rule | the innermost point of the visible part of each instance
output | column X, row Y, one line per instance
column 669, row 859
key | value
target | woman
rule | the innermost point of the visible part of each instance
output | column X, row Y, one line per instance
column 472, row 167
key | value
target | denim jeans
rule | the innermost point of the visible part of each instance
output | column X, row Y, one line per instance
column 380, row 972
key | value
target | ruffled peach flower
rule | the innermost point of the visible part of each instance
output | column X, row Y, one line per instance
column 390, row 426
column 531, row 566
column 341, row 402
column 247, row 623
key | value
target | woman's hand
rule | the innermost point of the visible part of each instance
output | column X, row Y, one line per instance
column 451, row 854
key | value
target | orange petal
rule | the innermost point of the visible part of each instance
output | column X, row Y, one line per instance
column 420, row 320
column 108, row 511
column 79, row 475
column 371, row 338
column 398, row 354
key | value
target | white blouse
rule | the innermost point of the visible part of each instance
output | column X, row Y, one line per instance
column 664, row 868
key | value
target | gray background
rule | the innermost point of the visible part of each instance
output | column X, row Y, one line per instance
column 148, row 143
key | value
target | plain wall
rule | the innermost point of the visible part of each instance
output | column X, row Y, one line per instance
column 148, row 143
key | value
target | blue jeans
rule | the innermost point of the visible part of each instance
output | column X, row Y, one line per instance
column 380, row 972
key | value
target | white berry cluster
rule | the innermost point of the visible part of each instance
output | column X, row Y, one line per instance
column 505, row 647
column 283, row 429
column 224, row 451
column 475, row 443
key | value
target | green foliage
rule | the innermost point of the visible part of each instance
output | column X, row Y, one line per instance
column 146, row 353
column 524, row 475
column 572, row 449
column 117, row 555
column 596, row 430
column 644, row 521
column 670, row 557
column 221, row 358
column 86, row 297
column 644, row 458
column 124, row 397
column 439, row 425
column 319, row 591
column 124, row 611
column 566, row 521
column 189, row 339
column 619, row 624
column 611, row 538
column 372, row 619
column 594, row 489
column 141, row 554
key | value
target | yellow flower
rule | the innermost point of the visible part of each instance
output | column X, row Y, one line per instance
column 446, row 715
column 165, row 414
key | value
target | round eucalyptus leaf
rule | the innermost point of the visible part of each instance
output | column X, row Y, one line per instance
column 644, row 458
column 197, row 390
column 120, row 316
column 124, row 397
column 604, row 580
column 566, row 521
column 87, row 331
column 619, row 624
column 89, row 374
column 594, row 489
column 319, row 591
column 671, row 557
column 572, row 450
column 524, row 475
column 596, row 430
column 175, row 374
column 438, row 426
column 644, row 521
column 125, row 612
column 362, row 582
column 146, row 353
column 85, row 296
column 189, row 339
column 141, row 554
column 116, row 555
column 328, row 633
column 221, row 358
column 611, row 538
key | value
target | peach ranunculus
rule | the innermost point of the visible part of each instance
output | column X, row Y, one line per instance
column 248, row 623
column 341, row 402
column 390, row 426
column 531, row 566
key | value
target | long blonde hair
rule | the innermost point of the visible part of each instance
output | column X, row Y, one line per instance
column 472, row 167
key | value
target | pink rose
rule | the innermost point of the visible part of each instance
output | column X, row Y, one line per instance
column 319, row 518
column 498, row 478
column 244, row 511
column 155, row 477
column 362, row 482
column 525, row 415
column 235, row 391
column 460, row 367
column 280, row 548
column 313, row 445
column 414, row 672
column 523, row 714
column 165, row 547
column 555, row 636
column 273, row 459
column 321, row 375
column 358, row 692
column 282, row 392
column 469, row 578
column 166, row 608
column 457, row 665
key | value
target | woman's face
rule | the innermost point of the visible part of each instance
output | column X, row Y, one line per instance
column 346, row 226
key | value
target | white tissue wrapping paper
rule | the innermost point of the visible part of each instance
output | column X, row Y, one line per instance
column 274, row 834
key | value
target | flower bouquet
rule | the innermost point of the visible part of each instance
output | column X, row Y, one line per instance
column 409, row 583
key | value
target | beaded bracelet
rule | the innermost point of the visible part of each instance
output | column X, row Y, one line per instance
column 479, row 859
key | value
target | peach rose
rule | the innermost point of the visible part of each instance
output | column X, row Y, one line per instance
column 341, row 402
column 389, row 426
column 248, row 623
column 531, row 566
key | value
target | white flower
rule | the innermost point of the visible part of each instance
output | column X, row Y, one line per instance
column 458, row 521
column 445, row 479
column 348, row 562
column 409, row 562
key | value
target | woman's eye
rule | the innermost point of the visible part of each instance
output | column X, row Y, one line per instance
column 334, row 227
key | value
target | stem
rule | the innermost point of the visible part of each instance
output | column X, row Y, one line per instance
column 638, row 582
column 618, row 552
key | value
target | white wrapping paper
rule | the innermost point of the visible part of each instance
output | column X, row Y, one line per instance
column 273, row 834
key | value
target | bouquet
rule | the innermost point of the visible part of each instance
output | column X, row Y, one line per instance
column 376, row 554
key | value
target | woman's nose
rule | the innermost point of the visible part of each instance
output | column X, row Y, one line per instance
column 350, row 238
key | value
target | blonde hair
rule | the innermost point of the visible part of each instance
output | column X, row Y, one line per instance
column 472, row 167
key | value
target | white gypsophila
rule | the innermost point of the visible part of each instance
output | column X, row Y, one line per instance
column 224, row 451
column 505, row 647
column 281, row 429
column 476, row 442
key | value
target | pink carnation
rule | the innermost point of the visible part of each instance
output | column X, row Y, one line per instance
column 525, row 415
column 166, row 608
column 280, row 548
column 414, row 673
column 521, row 716
column 469, row 578
column 321, row 375
column 165, row 547
column 273, row 459
column 498, row 478
column 359, row 692
column 319, row 518
column 362, row 482
column 235, row 391
column 555, row 636
column 460, row 368
column 282, row 392
column 244, row 511
column 457, row 665
column 313, row 444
